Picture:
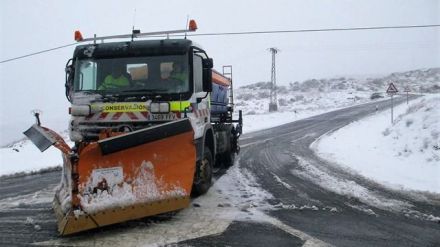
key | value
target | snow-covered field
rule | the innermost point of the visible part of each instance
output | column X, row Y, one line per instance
column 405, row 154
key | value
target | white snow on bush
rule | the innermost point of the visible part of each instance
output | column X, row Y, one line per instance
column 404, row 154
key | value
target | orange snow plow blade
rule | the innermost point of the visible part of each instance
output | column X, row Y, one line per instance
column 126, row 177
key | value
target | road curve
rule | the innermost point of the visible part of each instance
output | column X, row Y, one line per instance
column 348, row 209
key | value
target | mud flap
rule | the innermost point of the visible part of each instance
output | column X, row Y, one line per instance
column 131, row 176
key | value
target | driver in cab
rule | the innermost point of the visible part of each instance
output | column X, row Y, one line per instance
column 178, row 73
column 116, row 79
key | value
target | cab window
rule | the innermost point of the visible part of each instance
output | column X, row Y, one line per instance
column 197, row 73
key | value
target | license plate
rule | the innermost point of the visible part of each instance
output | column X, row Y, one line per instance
column 162, row 117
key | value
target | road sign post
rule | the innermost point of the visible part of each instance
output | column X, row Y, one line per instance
column 407, row 91
column 392, row 106
column 391, row 91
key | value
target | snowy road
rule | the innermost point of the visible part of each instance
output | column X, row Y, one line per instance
column 348, row 210
column 310, row 200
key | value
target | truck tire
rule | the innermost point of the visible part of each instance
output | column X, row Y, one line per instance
column 228, row 158
column 203, row 177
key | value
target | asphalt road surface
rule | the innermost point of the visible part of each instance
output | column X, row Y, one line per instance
column 317, row 203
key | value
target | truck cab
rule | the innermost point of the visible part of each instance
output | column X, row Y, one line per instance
column 131, row 85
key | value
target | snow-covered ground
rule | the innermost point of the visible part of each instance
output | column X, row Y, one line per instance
column 23, row 156
column 405, row 154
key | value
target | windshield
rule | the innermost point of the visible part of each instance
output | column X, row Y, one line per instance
column 135, row 75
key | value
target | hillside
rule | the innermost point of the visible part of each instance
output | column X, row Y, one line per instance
column 322, row 94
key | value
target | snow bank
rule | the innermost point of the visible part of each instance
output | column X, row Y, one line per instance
column 405, row 154
column 23, row 156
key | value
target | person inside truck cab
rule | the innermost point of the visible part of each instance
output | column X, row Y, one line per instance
column 178, row 72
column 116, row 79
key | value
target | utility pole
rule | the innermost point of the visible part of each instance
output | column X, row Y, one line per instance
column 273, row 104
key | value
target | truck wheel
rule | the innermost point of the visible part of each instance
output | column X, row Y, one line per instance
column 228, row 158
column 203, row 176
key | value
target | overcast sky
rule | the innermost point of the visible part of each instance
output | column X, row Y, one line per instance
column 38, row 81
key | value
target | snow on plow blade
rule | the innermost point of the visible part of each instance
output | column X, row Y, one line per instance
column 130, row 176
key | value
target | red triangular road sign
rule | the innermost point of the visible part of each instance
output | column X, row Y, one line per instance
column 392, row 88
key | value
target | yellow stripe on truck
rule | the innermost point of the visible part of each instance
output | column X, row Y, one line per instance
column 124, row 107
column 179, row 105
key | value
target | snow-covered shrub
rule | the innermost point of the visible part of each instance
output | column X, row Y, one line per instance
column 282, row 102
column 426, row 143
column 435, row 134
column 299, row 97
column 282, row 90
column 263, row 94
column 245, row 96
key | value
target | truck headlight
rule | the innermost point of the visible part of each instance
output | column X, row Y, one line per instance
column 80, row 110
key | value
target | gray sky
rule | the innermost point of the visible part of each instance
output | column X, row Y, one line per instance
column 38, row 82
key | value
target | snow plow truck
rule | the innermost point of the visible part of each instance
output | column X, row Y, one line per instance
column 150, row 122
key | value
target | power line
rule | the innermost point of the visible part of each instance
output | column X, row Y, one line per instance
column 316, row 30
column 256, row 32
column 39, row 52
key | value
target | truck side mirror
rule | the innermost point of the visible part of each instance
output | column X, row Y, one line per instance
column 208, row 63
column 207, row 80
column 70, row 71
